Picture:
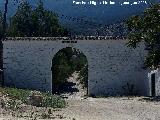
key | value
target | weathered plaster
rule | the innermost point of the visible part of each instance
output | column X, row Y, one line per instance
column 111, row 64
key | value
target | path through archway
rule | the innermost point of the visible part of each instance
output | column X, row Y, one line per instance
column 70, row 73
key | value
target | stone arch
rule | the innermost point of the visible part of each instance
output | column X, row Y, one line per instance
column 75, row 53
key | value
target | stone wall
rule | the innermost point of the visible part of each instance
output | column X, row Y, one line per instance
column 111, row 64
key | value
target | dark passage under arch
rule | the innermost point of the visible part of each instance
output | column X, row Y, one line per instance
column 69, row 67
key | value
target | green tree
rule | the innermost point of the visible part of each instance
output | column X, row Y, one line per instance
column 35, row 22
column 146, row 27
column 21, row 21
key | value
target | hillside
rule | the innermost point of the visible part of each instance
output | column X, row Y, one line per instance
column 81, row 19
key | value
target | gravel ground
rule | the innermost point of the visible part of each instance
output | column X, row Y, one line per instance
column 80, row 108
column 136, row 108
column 113, row 109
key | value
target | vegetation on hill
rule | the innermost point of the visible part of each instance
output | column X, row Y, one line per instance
column 146, row 27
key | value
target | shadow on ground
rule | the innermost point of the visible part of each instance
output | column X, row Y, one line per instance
column 150, row 99
column 68, row 87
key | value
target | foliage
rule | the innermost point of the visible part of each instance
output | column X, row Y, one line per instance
column 53, row 101
column 15, row 93
column 62, row 69
column 84, row 76
column 146, row 27
column 49, row 100
column 64, row 63
column 35, row 22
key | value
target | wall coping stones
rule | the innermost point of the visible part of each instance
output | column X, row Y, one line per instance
column 63, row 38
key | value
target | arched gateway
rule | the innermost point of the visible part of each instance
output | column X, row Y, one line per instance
column 112, row 66
column 69, row 72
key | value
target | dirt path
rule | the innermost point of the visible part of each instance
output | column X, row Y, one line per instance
column 112, row 109
column 79, row 92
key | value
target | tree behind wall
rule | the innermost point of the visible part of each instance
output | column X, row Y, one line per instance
column 35, row 22
column 146, row 28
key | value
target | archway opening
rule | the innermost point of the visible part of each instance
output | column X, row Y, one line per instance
column 153, row 91
column 70, row 72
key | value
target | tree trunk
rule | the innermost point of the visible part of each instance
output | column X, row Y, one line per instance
column 1, row 44
column 5, row 17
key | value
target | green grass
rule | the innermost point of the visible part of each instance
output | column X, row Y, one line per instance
column 49, row 100
column 15, row 93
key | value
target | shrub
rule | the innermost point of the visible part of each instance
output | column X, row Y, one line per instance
column 53, row 101
column 18, row 94
column 48, row 100
column 83, row 77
